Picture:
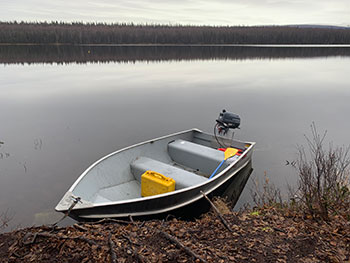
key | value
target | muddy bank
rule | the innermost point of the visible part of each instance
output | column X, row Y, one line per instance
column 264, row 235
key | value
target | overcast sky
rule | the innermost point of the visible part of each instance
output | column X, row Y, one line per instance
column 218, row 12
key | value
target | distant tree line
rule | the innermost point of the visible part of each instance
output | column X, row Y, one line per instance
column 64, row 54
column 101, row 33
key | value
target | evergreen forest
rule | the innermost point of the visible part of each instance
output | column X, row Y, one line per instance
column 102, row 33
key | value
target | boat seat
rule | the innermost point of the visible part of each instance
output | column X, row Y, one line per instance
column 196, row 156
column 182, row 178
column 131, row 189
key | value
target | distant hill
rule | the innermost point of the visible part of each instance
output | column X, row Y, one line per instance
column 320, row 26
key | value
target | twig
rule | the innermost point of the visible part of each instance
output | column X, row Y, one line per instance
column 81, row 228
column 279, row 229
column 168, row 217
column 109, row 220
column 130, row 241
column 224, row 222
column 30, row 241
column 5, row 218
column 217, row 255
column 131, row 219
column 324, row 229
column 45, row 234
column 181, row 246
column 15, row 254
column 63, row 246
column 111, row 249
column 139, row 257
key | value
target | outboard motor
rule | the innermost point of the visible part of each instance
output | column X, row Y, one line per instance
column 225, row 122
column 229, row 120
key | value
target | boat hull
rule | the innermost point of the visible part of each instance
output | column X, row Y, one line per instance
column 174, row 202
column 230, row 191
column 171, row 204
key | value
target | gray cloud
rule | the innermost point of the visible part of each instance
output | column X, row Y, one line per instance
column 226, row 12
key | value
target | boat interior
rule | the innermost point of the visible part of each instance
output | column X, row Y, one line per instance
column 189, row 158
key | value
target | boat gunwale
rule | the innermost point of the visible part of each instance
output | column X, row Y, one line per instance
column 140, row 199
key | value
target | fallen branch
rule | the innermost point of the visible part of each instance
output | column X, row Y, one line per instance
column 111, row 249
column 224, row 222
column 181, row 246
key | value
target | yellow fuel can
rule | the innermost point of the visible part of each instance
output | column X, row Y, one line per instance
column 153, row 183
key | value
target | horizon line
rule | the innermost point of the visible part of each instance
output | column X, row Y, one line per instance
column 61, row 22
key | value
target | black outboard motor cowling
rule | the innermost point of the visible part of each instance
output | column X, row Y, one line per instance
column 229, row 120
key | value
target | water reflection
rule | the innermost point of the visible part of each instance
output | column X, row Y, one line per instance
column 3, row 155
column 38, row 144
column 83, row 54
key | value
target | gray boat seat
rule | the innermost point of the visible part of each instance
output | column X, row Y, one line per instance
column 182, row 178
column 129, row 190
column 196, row 156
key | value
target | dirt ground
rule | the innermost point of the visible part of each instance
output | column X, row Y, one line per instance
column 263, row 235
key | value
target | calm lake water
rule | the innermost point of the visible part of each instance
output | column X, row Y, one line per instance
column 63, row 108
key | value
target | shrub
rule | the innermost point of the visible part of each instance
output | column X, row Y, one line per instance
column 323, row 183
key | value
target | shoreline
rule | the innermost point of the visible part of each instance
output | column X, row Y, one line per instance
column 266, row 234
column 183, row 45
